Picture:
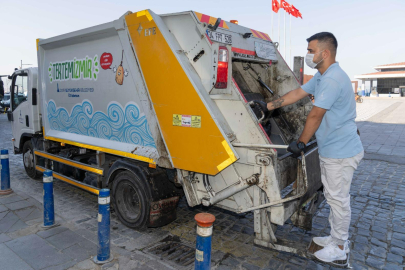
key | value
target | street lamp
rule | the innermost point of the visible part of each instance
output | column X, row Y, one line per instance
column 24, row 65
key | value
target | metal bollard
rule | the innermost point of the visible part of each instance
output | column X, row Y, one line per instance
column 49, row 209
column 205, row 222
column 103, row 247
column 5, row 173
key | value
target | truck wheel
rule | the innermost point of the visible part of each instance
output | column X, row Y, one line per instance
column 131, row 199
column 29, row 161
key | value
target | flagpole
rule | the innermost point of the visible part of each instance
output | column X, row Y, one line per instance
column 279, row 31
column 272, row 21
column 290, row 40
column 285, row 46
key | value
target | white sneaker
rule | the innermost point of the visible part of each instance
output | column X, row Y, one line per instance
column 326, row 240
column 331, row 253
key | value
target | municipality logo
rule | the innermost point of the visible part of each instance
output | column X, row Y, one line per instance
column 76, row 69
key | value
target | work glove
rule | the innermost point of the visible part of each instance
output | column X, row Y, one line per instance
column 261, row 104
column 296, row 148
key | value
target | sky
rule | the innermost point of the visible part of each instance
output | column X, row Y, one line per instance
column 369, row 32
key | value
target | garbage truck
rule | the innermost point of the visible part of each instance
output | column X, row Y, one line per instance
column 156, row 107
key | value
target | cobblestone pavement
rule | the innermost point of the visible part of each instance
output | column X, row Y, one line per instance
column 377, row 232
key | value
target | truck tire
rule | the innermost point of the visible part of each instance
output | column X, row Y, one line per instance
column 29, row 161
column 131, row 199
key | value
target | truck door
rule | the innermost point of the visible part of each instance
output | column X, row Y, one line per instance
column 20, row 106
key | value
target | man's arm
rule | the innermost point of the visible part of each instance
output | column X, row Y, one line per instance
column 289, row 98
column 314, row 119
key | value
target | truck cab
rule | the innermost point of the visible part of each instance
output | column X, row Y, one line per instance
column 24, row 107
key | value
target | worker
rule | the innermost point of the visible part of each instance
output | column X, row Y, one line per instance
column 340, row 149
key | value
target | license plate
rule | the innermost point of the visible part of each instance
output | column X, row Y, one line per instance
column 219, row 37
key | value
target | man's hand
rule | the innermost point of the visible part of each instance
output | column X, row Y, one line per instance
column 261, row 104
column 296, row 148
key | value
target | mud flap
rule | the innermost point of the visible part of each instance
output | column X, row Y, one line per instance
column 163, row 212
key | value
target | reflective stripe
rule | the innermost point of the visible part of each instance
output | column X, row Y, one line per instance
column 204, row 231
column 48, row 179
column 3, row 156
column 105, row 200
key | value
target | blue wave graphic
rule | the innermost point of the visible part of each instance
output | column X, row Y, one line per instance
column 121, row 125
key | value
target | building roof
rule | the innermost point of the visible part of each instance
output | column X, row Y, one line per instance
column 307, row 78
column 394, row 65
column 382, row 75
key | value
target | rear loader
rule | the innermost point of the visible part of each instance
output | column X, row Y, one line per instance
column 155, row 107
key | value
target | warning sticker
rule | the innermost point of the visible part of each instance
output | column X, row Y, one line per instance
column 184, row 120
column 199, row 255
column 177, row 120
column 196, row 121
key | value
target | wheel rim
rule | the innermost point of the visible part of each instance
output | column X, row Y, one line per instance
column 128, row 201
column 29, row 159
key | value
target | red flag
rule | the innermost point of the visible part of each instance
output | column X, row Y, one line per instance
column 285, row 6
column 295, row 12
column 275, row 5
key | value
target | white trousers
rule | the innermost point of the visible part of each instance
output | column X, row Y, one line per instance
column 337, row 177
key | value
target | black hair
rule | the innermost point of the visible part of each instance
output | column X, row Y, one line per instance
column 325, row 37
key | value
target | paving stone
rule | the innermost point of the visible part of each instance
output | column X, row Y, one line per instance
column 394, row 258
column 357, row 266
column 380, row 236
column 34, row 215
column 65, row 239
column 79, row 253
column 3, row 208
column 399, row 236
column 18, row 205
column 398, row 228
column 357, row 256
column 62, row 266
column 249, row 266
column 398, row 251
column 8, row 221
column 378, row 229
column 375, row 262
column 86, row 264
column 378, row 251
column 50, row 232
column 390, row 266
column 3, row 214
column 361, row 239
column 230, row 261
column 378, row 243
column 363, row 232
column 19, row 225
column 10, row 199
column 10, row 261
column 361, row 248
column 23, row 213
column 36, row 251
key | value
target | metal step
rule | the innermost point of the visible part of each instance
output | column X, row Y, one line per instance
column 69, row 162
column 70, row 181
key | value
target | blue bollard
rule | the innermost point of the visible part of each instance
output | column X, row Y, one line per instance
column 5, row 173
column 103, row 247
column 205, row 222
column 49, row 209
